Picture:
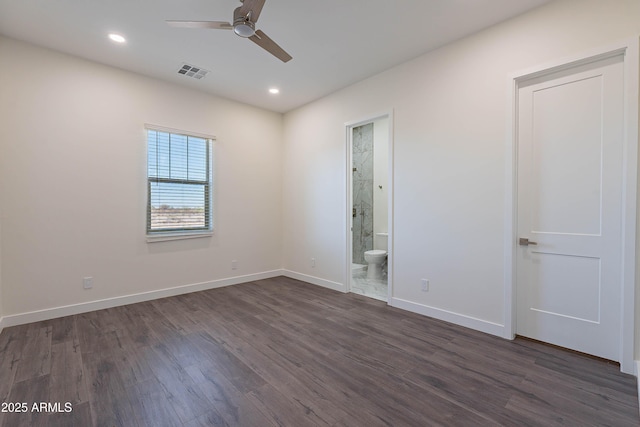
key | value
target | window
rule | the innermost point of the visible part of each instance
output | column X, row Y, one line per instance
column 179, row 183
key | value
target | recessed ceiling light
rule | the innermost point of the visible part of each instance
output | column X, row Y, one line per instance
column 117, row 38
column 274, row 91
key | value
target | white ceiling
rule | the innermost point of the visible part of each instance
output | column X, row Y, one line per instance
column 334, row 43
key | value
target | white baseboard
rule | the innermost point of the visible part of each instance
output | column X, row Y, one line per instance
column 68, row 310
column 315, row 281
column 436, row 313
column 449, row 316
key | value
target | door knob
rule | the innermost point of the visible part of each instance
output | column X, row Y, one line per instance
column 523, row 241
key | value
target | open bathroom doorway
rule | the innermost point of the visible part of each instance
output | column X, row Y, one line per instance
column 369, row 207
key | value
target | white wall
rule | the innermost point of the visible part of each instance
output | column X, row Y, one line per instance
column 380, row 178
column 72, row 160
column 73, row 183
column 1, row 309
column 450, row 119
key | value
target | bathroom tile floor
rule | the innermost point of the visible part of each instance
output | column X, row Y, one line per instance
column 371, row 288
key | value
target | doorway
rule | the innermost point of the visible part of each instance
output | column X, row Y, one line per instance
column 573, row 235
column 369, row 194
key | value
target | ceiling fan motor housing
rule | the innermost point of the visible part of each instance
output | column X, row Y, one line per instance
column 242, row 24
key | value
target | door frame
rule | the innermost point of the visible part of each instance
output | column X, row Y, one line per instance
column 629, row 49
column 349, row 126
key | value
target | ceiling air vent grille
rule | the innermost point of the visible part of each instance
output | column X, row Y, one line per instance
column 193, row 71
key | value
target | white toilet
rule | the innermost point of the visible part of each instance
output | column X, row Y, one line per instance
column 376, row 258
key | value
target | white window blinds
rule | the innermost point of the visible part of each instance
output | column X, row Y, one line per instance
column 179, row 182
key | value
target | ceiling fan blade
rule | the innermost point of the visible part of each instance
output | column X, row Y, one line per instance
column 270, row 46
column 214, row 25
column 253, row 6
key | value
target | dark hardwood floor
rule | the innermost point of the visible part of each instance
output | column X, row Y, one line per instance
column 280, row 352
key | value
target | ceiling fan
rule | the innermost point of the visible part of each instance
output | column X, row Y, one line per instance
column 244, row 25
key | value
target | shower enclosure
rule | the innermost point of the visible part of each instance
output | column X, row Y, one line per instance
column 362, row 192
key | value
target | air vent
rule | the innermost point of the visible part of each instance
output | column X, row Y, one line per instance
column 192, row 71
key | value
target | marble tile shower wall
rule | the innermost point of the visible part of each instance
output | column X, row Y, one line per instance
column 362, row 191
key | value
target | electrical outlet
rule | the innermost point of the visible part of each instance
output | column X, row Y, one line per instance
column 87, row 282
column 313, row 262
column 425, row 285
column 234, row 264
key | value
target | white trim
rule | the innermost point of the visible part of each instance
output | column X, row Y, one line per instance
column 629, row 49
column 149, row 126
column 165, row 237
column 510, row 215
column 450, row 316
column 348, row 174
column 315, row 280
column 369, row 119
column 349, row 190
column 390, row 208
column 637, row 372
column 68, row 310
column 630, row 206
column 425, row 310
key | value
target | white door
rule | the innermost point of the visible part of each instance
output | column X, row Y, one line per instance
column 570, row 183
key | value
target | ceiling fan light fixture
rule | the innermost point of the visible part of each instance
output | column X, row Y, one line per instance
column 244, row 28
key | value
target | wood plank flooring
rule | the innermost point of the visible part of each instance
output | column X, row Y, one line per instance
column 280, row 352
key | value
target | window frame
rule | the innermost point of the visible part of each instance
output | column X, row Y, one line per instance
column 181, row 233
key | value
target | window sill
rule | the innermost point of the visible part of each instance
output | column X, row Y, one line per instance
column 166, row 237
